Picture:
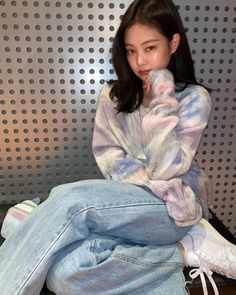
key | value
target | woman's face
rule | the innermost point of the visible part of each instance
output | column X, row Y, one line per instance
column 148, row 49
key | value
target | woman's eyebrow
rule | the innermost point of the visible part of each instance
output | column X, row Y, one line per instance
column 151, row 40
column 145, row 42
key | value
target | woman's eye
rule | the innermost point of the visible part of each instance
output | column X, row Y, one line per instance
column 129, row 51
column 150, row 48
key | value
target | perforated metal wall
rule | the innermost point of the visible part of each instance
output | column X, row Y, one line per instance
column 54, row 58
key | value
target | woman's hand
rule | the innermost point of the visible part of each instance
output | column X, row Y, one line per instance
column 147, row 90
column 147, row 86
column 158, row 83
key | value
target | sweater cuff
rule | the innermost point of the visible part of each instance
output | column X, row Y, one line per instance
column 189, row 222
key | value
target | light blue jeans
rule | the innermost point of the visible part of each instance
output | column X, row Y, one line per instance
column 95, row 237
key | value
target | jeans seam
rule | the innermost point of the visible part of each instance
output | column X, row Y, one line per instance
column 113, row 205
column 136, row 261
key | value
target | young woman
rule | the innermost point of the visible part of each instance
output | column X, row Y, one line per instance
column 135, row 231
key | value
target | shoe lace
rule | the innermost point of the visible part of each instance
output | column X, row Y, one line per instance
column 202, row 271
column 210, row 263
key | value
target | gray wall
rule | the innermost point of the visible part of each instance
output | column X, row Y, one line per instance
column 54, row 58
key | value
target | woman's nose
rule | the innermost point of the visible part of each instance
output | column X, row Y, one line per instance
column 141, row 59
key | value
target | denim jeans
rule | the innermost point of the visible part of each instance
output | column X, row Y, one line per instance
column 95, row 237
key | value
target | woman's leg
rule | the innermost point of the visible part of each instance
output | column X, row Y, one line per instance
column 72, row 213
column 109, row 266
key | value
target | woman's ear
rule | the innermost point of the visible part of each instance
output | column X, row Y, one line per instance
column 174, row 43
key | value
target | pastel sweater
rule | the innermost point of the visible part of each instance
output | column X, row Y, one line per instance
column 155, row 146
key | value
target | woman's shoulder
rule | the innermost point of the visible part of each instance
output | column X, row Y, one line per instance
column 195, row 106
column 199, row 91
column 195, row 102
column 105, row 91
column 105, row 100
column 196, row 94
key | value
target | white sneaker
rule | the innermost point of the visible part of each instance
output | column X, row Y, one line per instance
column 206, row 249
column 16, row 214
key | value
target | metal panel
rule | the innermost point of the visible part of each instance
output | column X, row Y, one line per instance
column 54, row 58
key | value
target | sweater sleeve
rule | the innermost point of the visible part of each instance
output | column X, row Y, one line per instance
column 171, row 130
column 114, row 161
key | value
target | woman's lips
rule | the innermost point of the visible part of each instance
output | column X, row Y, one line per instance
column 143, row 73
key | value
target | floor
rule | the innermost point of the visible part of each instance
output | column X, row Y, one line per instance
column 223, row 290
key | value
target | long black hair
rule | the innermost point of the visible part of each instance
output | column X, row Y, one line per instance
column 163, row 15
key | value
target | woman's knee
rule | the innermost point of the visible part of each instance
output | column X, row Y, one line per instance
column 77, row 191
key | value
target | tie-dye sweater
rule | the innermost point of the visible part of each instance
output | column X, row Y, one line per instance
column 155, row 146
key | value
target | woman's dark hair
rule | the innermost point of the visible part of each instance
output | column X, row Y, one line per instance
column 163, row 15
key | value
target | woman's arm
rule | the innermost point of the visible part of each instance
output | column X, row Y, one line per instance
column 114, row 161
column 171, row 130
